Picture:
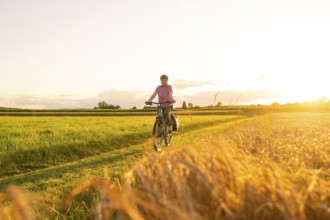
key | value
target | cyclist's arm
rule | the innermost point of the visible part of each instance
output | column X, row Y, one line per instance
column 171, row 99
column 153, row 96
column 171, row 95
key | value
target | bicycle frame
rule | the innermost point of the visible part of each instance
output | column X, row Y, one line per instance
column 159, row 131
column 160, row 117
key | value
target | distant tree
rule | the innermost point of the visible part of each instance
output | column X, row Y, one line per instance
column 321, row 100
column 196, row 107
column 103, row 104
column 219, row 104
column 190, row 105
column 184, row 105
column 134, row 107
column 275, row 104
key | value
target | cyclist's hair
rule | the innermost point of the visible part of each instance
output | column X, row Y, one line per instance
column 163, row 76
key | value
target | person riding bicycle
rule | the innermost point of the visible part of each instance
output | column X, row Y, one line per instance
column 164, row 92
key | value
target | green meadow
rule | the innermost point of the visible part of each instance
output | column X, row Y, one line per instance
column 50, row 155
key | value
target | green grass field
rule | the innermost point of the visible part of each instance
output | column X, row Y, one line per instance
column 49, row 155
column 32, row 143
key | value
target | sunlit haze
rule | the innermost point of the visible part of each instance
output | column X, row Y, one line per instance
column 74, row 54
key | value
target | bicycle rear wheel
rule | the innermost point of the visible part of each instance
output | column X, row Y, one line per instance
column 158, row 136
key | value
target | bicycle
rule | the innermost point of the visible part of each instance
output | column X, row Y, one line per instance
column 159, row 132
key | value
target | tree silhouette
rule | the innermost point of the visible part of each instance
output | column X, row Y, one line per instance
column 103, row 104
column 184, row 105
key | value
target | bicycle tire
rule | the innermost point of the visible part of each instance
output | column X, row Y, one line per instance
column 168, row 139
column 158, row 136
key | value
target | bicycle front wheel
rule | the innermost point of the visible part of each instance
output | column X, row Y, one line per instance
column 158, row 136
column 168, row 138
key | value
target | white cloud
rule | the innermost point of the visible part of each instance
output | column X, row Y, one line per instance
column 125, row 99
column 233, row 97
column 186, row 84
column 128, row 99
column 264, row 77
column 34, row 102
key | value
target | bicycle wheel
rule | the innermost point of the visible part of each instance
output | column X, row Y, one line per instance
column 168, row 138
column 158, row 136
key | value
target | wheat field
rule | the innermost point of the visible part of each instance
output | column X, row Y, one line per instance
column 275, row 166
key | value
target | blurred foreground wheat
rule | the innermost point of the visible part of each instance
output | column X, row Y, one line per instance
column 16, row 205
column 254, row 171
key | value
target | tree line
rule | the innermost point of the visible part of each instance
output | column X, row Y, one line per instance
column 191, row 106
column 105, row 105
column 318, row 102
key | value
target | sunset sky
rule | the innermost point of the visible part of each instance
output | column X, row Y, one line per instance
column 76, row 53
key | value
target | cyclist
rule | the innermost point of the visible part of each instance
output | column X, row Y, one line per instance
column 164, row 92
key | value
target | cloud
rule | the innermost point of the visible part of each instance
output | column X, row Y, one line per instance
column 7, row 102
column 129, row 99
column 186, row 84
column 125, row 99
column 34, row 102
column 264, row 77
column 66, row 95
column 233, row 97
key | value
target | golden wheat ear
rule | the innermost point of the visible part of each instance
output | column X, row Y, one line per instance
column 17, row 207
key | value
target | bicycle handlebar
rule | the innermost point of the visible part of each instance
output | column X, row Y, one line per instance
column 160, row 103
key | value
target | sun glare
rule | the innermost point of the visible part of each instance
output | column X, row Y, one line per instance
column 304, row 89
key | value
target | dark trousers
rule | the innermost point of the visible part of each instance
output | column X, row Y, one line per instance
column 166, row 115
